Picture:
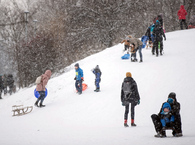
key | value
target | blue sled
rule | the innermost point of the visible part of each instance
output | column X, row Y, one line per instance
column 126, row 56
column 144, row 41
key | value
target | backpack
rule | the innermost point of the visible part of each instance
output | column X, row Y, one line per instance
column 127, row 89
column 38, row 80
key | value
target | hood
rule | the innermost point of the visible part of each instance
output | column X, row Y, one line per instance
column 182, row 7
column 166, row 105
column 128, row 79
column 48, row 73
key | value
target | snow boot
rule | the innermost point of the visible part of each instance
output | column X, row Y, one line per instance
column 79, row 93
column 178, row 135
column 97, row 90
column 126, row 125
column 36, row 103
column 132, row 123
column 159, row 135
column 141, row 61
column 41, row 105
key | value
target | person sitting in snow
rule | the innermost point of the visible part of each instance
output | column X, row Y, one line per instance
column 175, row 111
column 166, row 117
column 127, row 44
column 41, row 87
column 98, row 74
column 79, row 79
column 129, row 94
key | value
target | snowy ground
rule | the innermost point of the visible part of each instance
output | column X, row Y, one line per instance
column 97, row 118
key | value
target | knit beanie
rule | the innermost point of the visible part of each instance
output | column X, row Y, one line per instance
column 128, row 74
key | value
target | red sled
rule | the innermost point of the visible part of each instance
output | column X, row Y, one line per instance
column 191, row 27
column 84, row 87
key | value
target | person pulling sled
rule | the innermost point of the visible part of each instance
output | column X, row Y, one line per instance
column 129, row 95
column 79, row 79
column 98, row 74
column 41, row 83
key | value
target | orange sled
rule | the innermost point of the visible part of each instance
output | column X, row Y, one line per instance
column 84, row 86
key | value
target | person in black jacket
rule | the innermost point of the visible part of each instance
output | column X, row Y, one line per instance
column 129, row 94
column 158, row 40
column 175, row 111
column 1, row 85
column 10, row 83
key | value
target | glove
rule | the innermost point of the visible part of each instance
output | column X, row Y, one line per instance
column 138, row 102
column 82, row 79
column 123, row 104
column 75, row 78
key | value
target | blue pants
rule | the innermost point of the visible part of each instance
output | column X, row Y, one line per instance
column 166, row 120
column 140, row 52
column 97, row 83
column 41, row 97
column 78, row 85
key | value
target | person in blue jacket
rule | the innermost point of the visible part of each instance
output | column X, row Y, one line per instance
column 165, row 116
column 98, row 74
column 79, row 79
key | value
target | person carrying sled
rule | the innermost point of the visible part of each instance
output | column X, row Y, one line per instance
column 129, row 95
column 98, row 74
column 138, row 46
column 127, row 44
column 182, row 17
column 10, row 83
column 158, row 40
column 175, row 111
column 41, row 87
column 79, row 79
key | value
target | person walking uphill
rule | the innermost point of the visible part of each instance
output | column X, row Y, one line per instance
column 129, row 94
column 79, row 79
column 182, row 17
column 138, row 46
column 98, row 74
column 41, row 84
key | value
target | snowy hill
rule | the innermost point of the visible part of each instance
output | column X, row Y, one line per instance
column 97, row 118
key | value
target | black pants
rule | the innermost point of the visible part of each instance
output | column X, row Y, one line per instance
column 156, row 46
column 41, row 97
column 0, row 93
column 183, row 21
column 158, row 125
column 126, row 47
column 132, row 111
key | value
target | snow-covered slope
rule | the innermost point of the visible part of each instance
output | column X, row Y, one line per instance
column 97, row 118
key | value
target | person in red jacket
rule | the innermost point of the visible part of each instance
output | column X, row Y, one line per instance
column 182, row 17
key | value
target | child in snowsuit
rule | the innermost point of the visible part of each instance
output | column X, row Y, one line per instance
column 98, row 74
column 79, row 79
column 41, row 88
column 129, row 94
column 133, row 53
column 158, row 40
column 165, row 116
column 127, row 44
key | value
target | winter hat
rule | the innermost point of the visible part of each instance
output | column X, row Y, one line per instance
column 97, row 67
column 172, row 95
column 128, row 74
column 166, row 105
column 76, row 65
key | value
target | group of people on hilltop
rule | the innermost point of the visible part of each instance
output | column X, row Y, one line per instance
column 6, row 81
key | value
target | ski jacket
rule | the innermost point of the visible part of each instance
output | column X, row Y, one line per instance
column 134, row 97
column 97, row 73
column 126, row 43
column 182, row 13
column 158, row 33
column 79, row 74
column 136, row 42
column 44, row 80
